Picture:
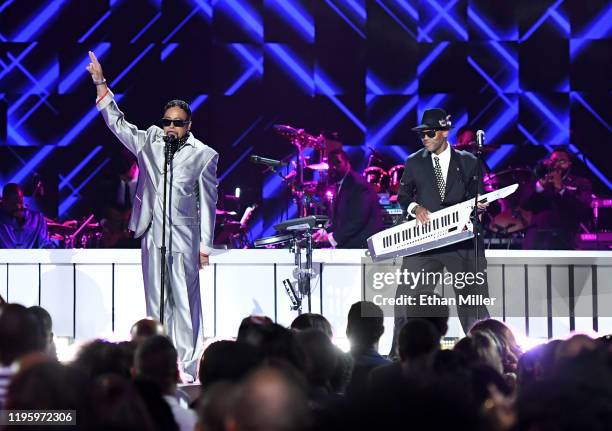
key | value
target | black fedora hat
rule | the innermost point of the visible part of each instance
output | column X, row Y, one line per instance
column 436, row 119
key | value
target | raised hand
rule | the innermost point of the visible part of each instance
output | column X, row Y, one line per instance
column 95, row 68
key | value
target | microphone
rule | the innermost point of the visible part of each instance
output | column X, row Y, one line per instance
column 480, row 139
column 265, row 161
column 171, row 146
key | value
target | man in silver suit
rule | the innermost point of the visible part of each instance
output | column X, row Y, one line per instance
column 190, row 215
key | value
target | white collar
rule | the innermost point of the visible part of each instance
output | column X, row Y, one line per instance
column 444, row 155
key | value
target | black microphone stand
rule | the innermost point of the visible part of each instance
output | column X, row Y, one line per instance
column 475, row 221
column 168, row 154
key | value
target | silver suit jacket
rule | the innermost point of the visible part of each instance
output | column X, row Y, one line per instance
column 193, row 187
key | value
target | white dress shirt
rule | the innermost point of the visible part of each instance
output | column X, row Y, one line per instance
column 444, row 158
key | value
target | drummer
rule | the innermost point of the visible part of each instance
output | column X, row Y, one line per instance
column 20, row 227
column 356, row 213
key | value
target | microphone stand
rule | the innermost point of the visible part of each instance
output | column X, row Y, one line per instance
column 167, row 161
column 475, row 221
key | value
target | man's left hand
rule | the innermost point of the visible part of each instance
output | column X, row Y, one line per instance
column 203, row 260
column 482, row 206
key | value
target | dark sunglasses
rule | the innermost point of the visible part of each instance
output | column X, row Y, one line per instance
column 428, row 133
column 166, row 122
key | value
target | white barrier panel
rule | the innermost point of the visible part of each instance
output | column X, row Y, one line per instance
column 92, row 293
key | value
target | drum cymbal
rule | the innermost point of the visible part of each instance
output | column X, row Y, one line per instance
column 318, row 166
column 286, row 130
column 471, row 147
column 509, row 176
column 223, row 212
column 299, row 137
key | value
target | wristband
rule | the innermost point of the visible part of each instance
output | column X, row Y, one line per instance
column 100, row 82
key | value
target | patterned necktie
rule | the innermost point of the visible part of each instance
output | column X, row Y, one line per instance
column 439, row 177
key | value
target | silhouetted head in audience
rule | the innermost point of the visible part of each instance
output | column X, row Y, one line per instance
column 312, row 321
column 99, row 357
column 575, row 346
column 21, row 333
column 118, row 406
column 268, row 400
column 145, row 328
column 254, row 329
column 480, row 348
column 227, row 361
column 273, row 340
column 531, row 366
column 365, row 325
column 321, row 358
column 511, row 351
column 418, row 338
column 575, row 395
column 437, row 313
column 156, row 361
column 50, row 386
column 44, row 318
column 214, row 407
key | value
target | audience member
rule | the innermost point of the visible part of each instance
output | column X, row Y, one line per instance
column 21, row 334
column 145, row 328
column 156, row 361
column 213, row 407
column 46, row 323
column 364, row 329
column 268, row 400
column 228, row 361
column 118, row 406
column 312, row 321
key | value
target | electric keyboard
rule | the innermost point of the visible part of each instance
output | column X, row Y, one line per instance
column 302, row 223
column 446, row 226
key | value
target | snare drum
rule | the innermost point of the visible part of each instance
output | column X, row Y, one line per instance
column 377, row 177
column 395, row 178
column 275, row 241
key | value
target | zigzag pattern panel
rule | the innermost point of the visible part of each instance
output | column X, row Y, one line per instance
column 533, row 74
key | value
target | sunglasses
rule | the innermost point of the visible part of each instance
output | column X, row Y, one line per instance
column 428, row 133
column 166, row 122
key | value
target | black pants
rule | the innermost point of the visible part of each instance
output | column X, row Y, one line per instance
column 457, row 263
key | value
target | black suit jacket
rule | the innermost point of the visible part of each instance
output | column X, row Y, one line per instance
column 418, row 184
column 556, row 217
column 356, row 213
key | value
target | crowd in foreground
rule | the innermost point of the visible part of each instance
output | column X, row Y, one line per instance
column 275, row 378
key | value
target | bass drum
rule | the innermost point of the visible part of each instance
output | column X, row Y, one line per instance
column 377, row 178
column 395, row 178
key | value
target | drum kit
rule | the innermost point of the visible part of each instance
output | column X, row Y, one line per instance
column 307, row 181
column 87, row 233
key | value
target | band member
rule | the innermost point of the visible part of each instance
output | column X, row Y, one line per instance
column 190, row 217
column 20, row 227
column 435, row 177
column 559, row 201
column 118, row 187
column 356, row 214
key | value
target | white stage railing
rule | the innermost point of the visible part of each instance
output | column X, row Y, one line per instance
column 94, row 292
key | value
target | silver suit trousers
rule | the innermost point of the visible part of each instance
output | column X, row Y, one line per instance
column 182, row 305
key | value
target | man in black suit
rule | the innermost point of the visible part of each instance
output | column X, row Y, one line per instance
column 435, row 177
column 559, row 202
column 356, row 214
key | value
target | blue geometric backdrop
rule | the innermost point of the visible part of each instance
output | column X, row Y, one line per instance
column 533, row 74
